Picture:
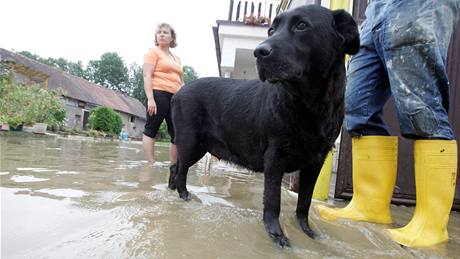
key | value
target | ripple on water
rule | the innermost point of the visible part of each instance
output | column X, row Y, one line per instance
column 129, row 148
column 162, row 163
column 36, row 170
column 128, row 184
column 27, row 179
column 212, row 200
column 53, row 148
column 127, row 164
column 67, row 172
column 68, row 193
column 227, row 166
column 29, row 168
column 202, row 193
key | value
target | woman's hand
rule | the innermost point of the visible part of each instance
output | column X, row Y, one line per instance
column 151, row 107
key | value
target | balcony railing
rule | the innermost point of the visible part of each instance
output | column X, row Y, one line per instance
column 253, row 12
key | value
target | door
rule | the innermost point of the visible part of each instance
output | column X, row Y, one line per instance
column 85, row 119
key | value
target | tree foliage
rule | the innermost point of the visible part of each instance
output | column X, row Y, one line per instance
column 189, row 74
column 105, row 119
column 111, row 71
column 136, row 80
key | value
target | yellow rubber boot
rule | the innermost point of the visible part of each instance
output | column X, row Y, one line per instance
column 435, row 179
column 374, row 176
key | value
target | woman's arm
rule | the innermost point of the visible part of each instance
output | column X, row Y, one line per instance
column 148, row 72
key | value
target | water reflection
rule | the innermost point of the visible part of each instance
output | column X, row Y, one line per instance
column 83, row 198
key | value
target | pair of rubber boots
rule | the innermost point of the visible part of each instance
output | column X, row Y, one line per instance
column 374, row 176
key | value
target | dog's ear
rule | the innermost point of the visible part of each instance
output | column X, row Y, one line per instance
column 347, row 29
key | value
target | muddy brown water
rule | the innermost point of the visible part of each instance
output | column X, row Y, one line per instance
column 73, row 197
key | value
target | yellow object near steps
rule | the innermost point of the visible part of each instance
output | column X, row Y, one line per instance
column 321, row 190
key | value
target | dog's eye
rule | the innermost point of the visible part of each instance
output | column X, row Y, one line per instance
column 301, row 26
column 270, row 31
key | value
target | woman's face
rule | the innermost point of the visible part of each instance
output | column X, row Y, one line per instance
column 164, row 37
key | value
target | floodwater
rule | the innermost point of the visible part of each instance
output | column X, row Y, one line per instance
column 82, row 198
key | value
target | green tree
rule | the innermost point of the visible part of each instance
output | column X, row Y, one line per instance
column 136, row 81
column 189, row 74
column 91, row 70
column 31, row 56
column 78, row 70
column 59, row 63
column 111, row 72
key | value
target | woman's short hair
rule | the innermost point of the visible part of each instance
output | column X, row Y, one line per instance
column 173, row 43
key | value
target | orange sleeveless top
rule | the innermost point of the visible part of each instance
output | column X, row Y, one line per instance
column 167, row 73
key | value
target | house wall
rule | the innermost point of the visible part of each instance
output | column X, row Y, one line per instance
column 233, row 37
column 75, row 116
column 135, row 129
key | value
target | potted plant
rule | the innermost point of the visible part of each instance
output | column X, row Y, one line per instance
column 257, row 20
column 47, row 109
column 15, row 122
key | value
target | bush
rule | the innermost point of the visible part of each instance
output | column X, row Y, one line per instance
column 30, row 104
column 47, row 106
column 105, row 119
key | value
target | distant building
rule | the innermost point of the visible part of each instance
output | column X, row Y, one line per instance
column 81, row 96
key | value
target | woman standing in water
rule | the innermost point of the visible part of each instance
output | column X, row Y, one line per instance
column 163, row 77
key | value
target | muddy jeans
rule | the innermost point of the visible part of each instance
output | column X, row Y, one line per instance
column 403, row 53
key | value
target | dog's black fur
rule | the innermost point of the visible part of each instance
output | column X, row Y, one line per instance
column 284, row 122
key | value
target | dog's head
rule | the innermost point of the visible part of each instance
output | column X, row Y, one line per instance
column 306, row 40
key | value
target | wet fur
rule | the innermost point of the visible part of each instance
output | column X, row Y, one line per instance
column 284, row 122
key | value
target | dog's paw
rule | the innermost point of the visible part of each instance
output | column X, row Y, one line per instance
column 172, row 186
column 281, row 240
column 310, row 233
column 303, row 222
column 185, row 195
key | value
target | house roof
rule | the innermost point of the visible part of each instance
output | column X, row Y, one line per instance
column 79, row 88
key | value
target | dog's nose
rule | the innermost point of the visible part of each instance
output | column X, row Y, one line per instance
column 263, row 50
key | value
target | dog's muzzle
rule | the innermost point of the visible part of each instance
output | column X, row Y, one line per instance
column 273, row 66
column 263, row 51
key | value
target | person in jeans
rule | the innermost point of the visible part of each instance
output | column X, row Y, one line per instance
column 403, row 52
column 163, row 77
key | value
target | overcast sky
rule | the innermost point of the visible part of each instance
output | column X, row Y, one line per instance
column 85, row 29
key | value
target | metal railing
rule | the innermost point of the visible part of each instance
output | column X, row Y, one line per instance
column 253, row 12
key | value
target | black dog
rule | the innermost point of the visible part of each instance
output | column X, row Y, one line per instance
column 285, row 124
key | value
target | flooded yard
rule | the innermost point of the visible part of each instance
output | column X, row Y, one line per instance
column 71, row 197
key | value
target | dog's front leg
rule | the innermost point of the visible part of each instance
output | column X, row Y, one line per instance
column 181, row 180
column 307, row 181
column 272, row 199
